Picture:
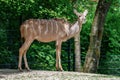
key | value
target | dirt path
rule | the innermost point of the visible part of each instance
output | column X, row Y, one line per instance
column 9, row 74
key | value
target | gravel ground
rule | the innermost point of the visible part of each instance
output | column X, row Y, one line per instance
column 9, row 74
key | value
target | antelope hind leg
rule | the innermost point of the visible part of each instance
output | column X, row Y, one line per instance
column 27, row 45
column 26, row 63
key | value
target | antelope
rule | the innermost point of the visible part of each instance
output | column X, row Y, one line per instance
column 44, row 30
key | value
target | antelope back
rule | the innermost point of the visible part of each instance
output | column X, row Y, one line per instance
column 45, row 30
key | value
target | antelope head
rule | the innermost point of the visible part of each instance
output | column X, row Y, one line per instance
column 81, row 16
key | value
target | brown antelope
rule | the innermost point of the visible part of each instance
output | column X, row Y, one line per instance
column 43, row 30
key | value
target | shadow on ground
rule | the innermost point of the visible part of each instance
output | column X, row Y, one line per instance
column 9, row 74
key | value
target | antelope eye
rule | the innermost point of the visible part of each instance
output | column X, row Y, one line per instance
column 79, row 16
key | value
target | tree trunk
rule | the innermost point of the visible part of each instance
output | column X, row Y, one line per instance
column 93, row 53
column 77, row 53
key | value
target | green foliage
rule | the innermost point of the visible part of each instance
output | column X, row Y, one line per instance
column 110, row 50
column 42, row 56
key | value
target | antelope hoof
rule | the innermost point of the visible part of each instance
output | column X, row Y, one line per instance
column 59, row 69
column 20, row 69
column 28, row 69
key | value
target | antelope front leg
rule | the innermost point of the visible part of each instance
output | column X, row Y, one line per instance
column 58, row 56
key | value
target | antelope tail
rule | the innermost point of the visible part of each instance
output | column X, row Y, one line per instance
column 22, row 32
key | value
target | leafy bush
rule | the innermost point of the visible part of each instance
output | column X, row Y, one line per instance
column 110, row 50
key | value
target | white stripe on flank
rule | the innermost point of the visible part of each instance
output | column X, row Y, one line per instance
column 33, row 27
column 46, row 28
column 51, row 26
column 56, row 27
column 26, row 27
column 39, row 27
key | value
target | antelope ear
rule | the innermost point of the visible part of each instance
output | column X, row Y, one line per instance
column 75, row 11
column 85, row 12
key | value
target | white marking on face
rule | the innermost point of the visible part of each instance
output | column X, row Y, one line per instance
column 83, row 19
